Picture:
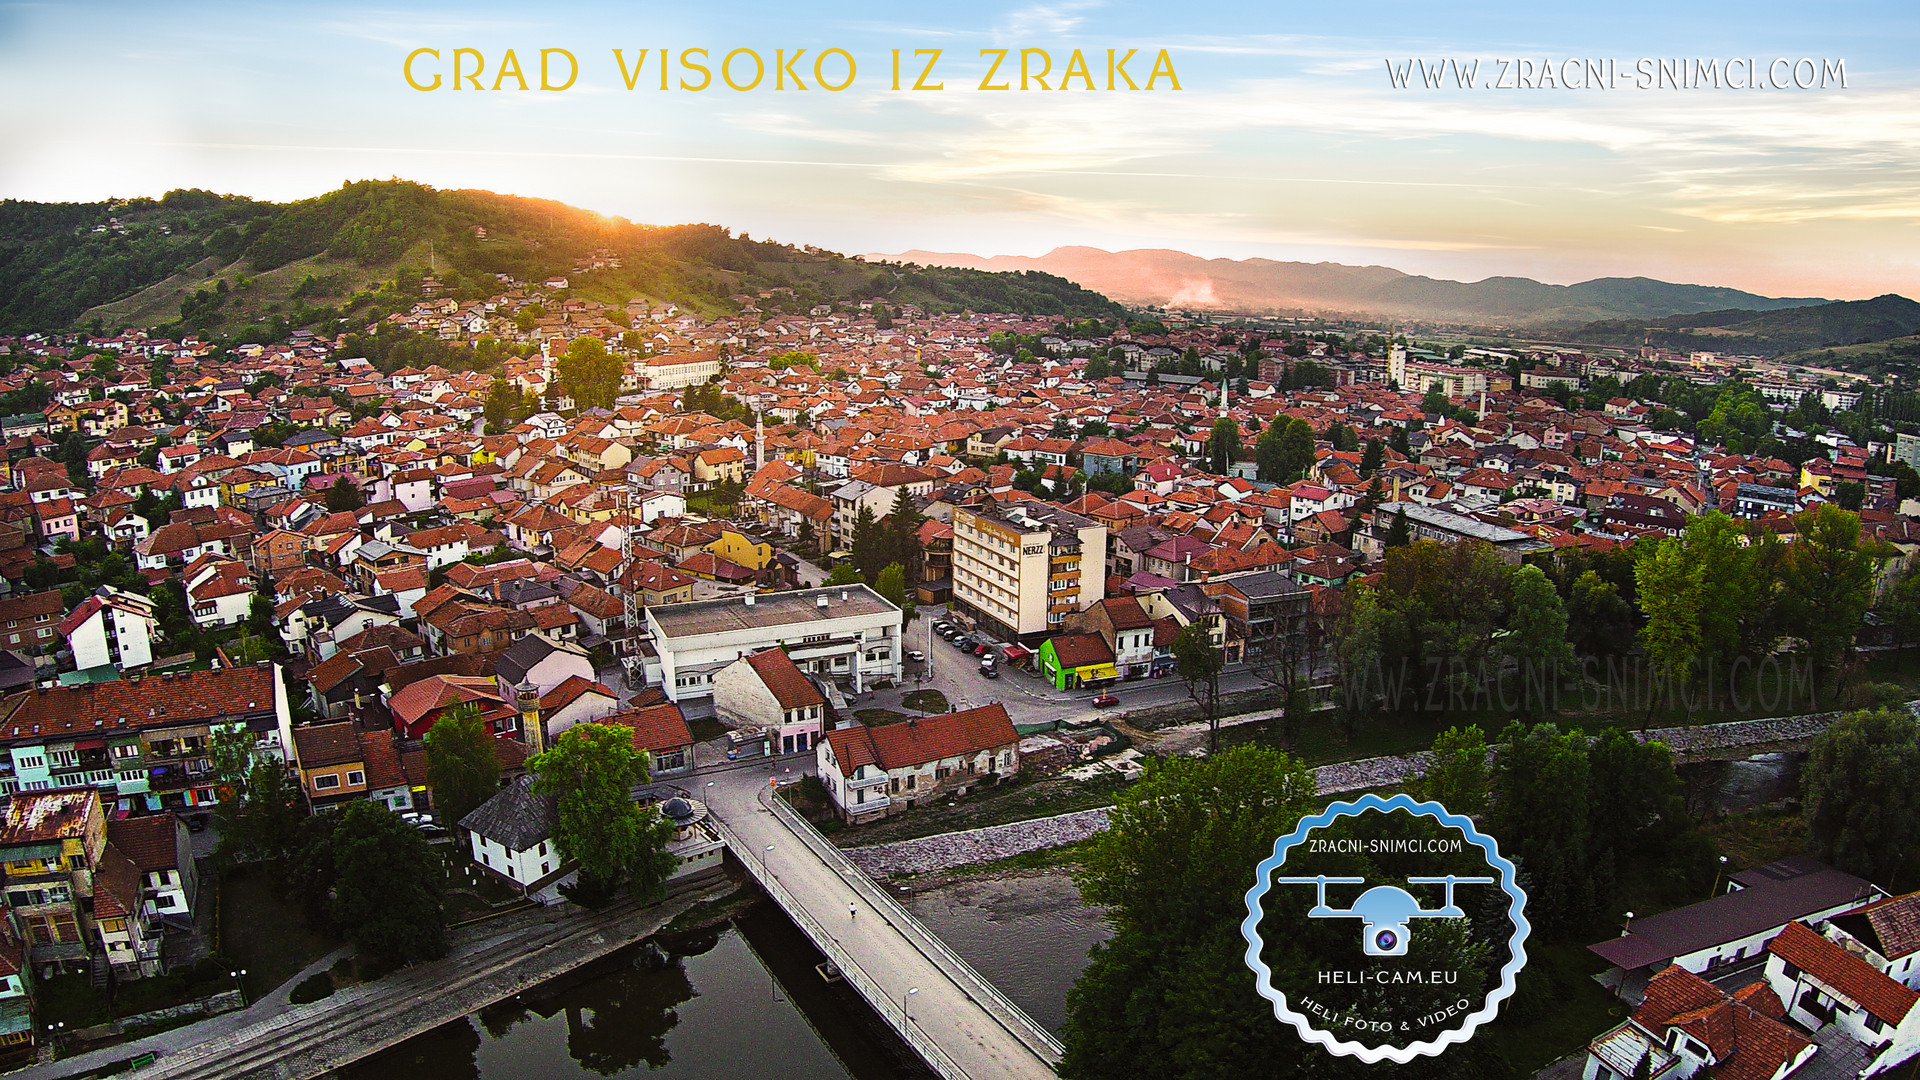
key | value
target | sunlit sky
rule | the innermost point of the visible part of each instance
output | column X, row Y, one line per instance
column 1286, row 140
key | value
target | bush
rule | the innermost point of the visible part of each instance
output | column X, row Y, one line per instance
column 312, row 988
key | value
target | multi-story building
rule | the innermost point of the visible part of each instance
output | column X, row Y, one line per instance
column 847, row 633
column 111, row 629
column 142, row 742
column 1023, row 569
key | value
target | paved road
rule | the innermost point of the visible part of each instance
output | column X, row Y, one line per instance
column 942, row 998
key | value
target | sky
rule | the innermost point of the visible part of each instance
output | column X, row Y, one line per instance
column 1286, row 140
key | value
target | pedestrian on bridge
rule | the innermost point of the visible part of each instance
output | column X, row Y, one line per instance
column 850, row 912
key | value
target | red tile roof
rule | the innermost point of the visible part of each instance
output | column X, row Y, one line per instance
column 1879, row 995
column 152, row 700
column 656, row 728
column 790, row 687
column 917, row 742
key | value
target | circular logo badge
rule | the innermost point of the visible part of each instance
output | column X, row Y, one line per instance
column 1385, row 929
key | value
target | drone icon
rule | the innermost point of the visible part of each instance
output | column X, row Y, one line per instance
column 1385, row 910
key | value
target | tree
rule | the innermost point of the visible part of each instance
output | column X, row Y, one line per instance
column 590, row 772
column 1374, row 456
column 1604, row 620
column 1536, row 639
column 462, row 768
column 872, row 546
column 1097, row 367
column 344, row 495
column 260, row 809
column 845, row 573
column 1199, row 665
column 904, row 522
column 386, row 892
column 1539, row 798
column 590, row 374
column 1862, row 805
column 1849, row 494
column 1458, row 776
column 1398, row 440
column 1224, row 446
column 807, row 539
column 1671, row 595
column 1171, row 987
column 1828, row 582
column 892, row 585
column 1399, row 534
column 1296, row 450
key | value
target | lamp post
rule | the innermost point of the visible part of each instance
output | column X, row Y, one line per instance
column 1716, row 877
column 238, row 986
column 912, row 990
column 53, row 1036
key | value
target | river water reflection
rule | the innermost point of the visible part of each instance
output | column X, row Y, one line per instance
column 745, row 1001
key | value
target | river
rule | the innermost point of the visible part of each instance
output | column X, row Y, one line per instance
column 744, row 1001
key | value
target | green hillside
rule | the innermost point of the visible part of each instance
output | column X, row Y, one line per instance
column 1765, row 333
column 230, row 266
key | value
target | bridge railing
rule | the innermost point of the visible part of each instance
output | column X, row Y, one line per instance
column 850, row 969
column 971, row 982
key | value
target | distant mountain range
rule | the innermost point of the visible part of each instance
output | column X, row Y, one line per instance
column 1765, row 333
column 1149, row 276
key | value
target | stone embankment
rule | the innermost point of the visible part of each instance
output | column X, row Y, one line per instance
column 929, row 854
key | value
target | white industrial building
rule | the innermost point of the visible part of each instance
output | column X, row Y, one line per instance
column 847, row 633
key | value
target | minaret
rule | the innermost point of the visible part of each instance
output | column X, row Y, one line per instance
column 759, row 442
column 1223, row 396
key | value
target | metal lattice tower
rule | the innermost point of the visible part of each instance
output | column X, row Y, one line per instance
column 630, row 594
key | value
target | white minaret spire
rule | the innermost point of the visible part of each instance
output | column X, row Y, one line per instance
column 759, row 442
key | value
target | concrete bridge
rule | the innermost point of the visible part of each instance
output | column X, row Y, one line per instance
column 953, row 1017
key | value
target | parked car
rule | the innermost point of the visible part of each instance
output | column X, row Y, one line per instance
column 963, row 642
column 916, row 656
column 1106, row 701
column 990, row 672
column 983, row 649
column 942, row 627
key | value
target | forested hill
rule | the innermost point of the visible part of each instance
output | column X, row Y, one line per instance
column 140, row 261
column 1740, row 330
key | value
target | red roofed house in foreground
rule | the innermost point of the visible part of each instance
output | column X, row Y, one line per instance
column 873, row 771
column 1690, row 1027
column 1828, row 987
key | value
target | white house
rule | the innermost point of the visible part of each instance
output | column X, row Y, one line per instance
column 1822, row 984
column 219, row 591
column 873, row 771
column 848, row 633
column 542, row 661
column 111, row 628
column 576, row 701
column 1886, row 933
column 766, row 692
column 1687, row 1026
column 161, row 850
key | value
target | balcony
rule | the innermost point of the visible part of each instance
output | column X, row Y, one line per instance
column 867, row 782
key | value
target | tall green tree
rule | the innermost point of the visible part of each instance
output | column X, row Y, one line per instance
column 872, row 545
column 1828, row 580
column 590, row 772
column 1536, row 639
column 904, row 522
column 844, row 573
column 1539, row 810
column 1862, row 804
column 1672, row 594
column 1458, row 776
column 1224, row 447
column 1374, row 456
column 344, row 495
column 1171, row 987
column 892, row 585
column 590, row 374
column 386, row 885
column 1296, row 450
column 1199, row 665
column 462, row 768
column 1601, row 621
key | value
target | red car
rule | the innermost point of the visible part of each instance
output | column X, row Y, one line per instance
column 1105, row 701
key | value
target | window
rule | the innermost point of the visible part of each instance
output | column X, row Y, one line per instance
column 127, row 750
column 326, row 781
column 356, row 777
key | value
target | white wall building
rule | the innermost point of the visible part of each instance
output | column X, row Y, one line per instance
column 111, row 628
column 847, row 633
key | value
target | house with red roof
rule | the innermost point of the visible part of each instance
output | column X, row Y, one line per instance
column 1687, row 1026
column 768, row 693
column 871, row 772
column 1826, row 986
